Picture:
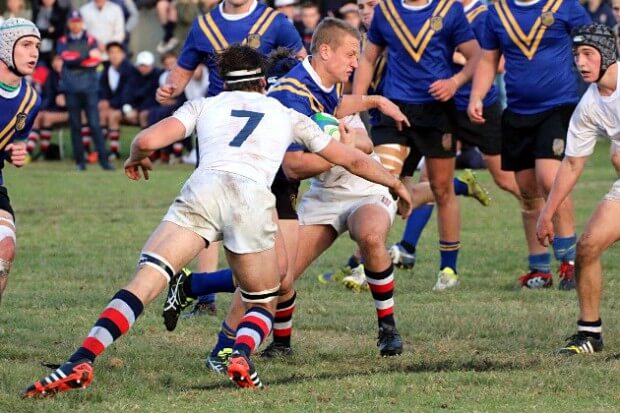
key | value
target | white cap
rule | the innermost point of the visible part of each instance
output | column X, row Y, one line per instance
column 145, row 58
column 282, row 3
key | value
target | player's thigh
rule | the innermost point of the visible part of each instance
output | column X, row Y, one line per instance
column 255, row 271
column 370, row 223
column 176, row 244
column 546, row 170
column 7, row 232
column 391, row 145
column 603, row 228
column 314, row 240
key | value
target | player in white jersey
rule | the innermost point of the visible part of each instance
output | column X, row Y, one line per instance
column 598, row 114
column 244, row 136
column 339, row 201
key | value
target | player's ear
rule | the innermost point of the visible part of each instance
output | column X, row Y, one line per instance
column 324, row 50
column 263, row 83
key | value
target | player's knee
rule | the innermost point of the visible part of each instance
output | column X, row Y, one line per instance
column 371, row 240
column 260, row 297
column 286, row 284
column 531, row 204
column 442, row 192
column 588, row 248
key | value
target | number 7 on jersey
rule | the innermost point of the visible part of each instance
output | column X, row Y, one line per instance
column 254, row 119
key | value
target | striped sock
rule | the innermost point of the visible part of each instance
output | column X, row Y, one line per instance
column 46, row 137
column 86, row 137
column 33, row 138
column 283, row 322
column 115, row 136
column 120, row 314
column 591, row 328
column 448, row 253
column 382, row 289
column 255, row 325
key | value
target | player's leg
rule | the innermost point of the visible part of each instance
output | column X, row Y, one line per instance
column 168, row 248
column 7, row 239
column 369, row 225
column 600, row 233
column 614, row 153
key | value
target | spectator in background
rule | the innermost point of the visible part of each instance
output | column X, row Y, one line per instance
column 331, row 7
column 53, row 109
column 349, row 13
column 140, row 96
column 104, row 21
column 131, row 15
column 81, row 57
column 113, row 89
column 168, row 17
column 615, row 9
column 310, row 17
column 600, row 12
column 51, row 19
column 16, row 8
column 287, row 7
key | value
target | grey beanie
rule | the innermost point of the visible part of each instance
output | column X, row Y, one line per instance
column 11, row 31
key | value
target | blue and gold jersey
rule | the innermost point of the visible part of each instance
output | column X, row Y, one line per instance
column 16, row 117
column 301, row 89
column 476, row 16
column 376, row 82
column 420, row 42
column 263, row 29
column 535, row 40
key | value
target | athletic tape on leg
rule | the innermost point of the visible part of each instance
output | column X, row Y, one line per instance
column 158, row 262
column 260, row 296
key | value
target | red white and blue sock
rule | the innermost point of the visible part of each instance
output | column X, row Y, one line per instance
column 283, row 322
column 255, row 325
column 382, row 289
column 120, row 314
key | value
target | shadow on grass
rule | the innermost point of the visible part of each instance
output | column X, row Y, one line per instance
column 480, row 366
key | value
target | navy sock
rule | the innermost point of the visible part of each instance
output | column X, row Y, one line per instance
column 416, row 223
column 460, row 187
column 353, row 262
column 225, row 339
column 449, row 253
column 203, row 283
column 540, row 262
column 564, row 248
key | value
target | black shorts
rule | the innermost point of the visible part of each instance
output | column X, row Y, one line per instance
column 430, row 134
column 526, row 138
column 5, row 202
column 487, row 136
column 285, row 192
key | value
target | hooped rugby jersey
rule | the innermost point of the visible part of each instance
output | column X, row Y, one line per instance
column 475, row 12
column 420, row 41
column 263, row 28
column 19, row 109
column 535, row 39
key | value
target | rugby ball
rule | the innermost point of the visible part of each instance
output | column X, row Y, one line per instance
column 328, row 124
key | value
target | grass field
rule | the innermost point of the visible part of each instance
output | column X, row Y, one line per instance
column 486, row 346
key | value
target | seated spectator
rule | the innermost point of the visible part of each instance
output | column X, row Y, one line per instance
column 113, row 88
column 168, row 17
column 51, row 19
column 349, row 13
column 140, row 97
column 600, row 12
column 287, row 7
column 53, row 109
column 104, row 21
column 310, row 17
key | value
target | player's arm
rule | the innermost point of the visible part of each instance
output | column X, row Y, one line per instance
column 363, row 73
column 175, row 84
column 350, row 104
column 484, row 76
column 444, row 89
column 157, row 136
column 565, row 180
column 300, row 165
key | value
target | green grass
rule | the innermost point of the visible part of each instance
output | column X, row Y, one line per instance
column 486, row 346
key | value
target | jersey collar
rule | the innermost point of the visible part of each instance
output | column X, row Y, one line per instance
column 235, row 17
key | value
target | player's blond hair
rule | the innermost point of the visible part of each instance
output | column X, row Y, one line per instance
column 330, row 32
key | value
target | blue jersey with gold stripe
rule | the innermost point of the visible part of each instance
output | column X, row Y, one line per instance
column 476, row 16
column 535, row 40
column 16, row 117
column 376, row 82
column 420, row 42
column 300, row 89
column 263, row 29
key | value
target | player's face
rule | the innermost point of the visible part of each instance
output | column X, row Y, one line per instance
column 26, row 54
column 342, row 60
column 367, row 11
column 588, row 62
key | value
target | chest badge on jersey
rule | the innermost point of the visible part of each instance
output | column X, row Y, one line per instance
column 253, row 40
column 547, row 18
column 436, row 23
column 20, row 121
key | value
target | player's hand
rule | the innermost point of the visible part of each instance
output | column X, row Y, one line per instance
column 389, row 108
column 443, row 89
column 347, row 135
column 165, row 94
column 17, row 153
column 475, row 111
column 132, row 168
column 405, row 204
column 544, row 229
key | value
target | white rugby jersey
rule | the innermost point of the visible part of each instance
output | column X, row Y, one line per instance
column 337, row 179
column 247, row 133
column 594, row 116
